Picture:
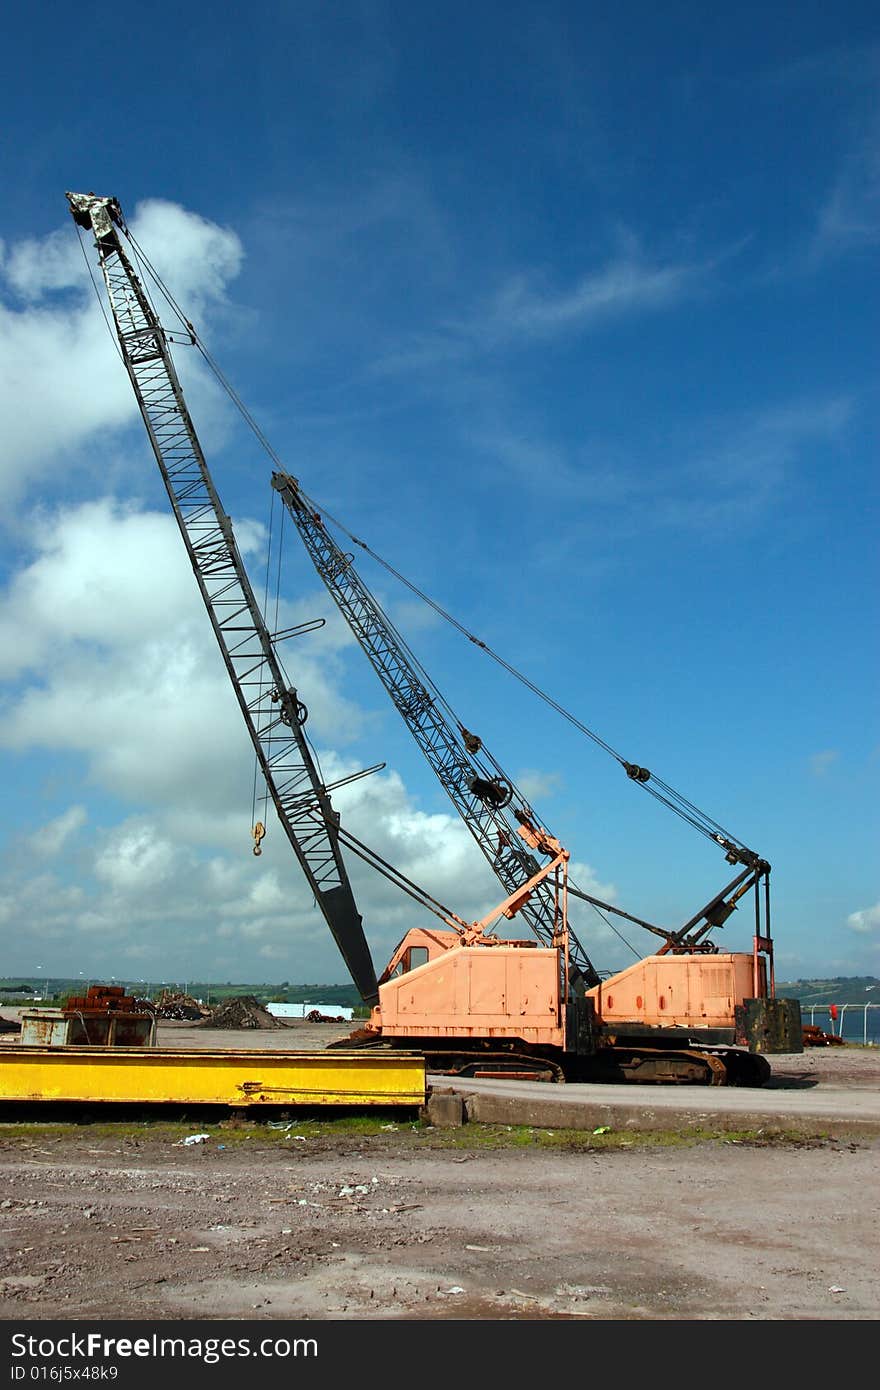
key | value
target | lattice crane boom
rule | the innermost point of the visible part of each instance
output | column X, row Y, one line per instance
column 273, row 713
column 481, row 797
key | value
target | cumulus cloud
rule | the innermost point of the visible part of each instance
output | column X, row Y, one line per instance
column 174, row 903
column 866, row 921
column 135, row 857
column 61, row 381
column 108, row 652
column 190, row 253
column 33, row 267
column 108, row 658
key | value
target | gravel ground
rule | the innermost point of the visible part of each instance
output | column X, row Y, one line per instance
column 386, row 1218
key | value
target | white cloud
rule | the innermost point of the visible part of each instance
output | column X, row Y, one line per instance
column 538, row 786
column 135, row 858
column 586, row 878
column 195, row 257
column 849, row 219
column 177, row 904
column 110, row 659
column 111, row 655
column 51, row 838
column 866, row 921
column 102, row 573
column 61, row 381
column 434, row 850
column 526, row 307
column 34, row 267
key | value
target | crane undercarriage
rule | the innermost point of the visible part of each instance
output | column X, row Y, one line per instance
column 683, row 1064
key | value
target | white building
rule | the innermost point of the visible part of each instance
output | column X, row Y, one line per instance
column 302, row 1010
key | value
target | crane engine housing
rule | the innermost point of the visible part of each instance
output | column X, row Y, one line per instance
column 500, row 1007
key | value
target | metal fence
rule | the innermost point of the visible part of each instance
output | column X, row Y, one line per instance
column 861, row 1021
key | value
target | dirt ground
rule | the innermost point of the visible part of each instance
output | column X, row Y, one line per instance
column 382, row 1217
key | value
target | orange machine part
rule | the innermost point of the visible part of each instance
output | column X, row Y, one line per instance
column 436, row 987
column 497, row 989
column 684, row 991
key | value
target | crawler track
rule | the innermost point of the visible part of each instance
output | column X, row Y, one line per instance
column 696, row 1066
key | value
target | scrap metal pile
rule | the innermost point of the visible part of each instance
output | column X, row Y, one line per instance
column 177, row 1005
column 244, row 1011
column 815, row 1037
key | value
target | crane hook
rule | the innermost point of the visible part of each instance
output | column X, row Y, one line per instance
column 258, row 833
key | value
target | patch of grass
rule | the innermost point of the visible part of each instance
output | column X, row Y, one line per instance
column 400, row 1129
column 479, row 1137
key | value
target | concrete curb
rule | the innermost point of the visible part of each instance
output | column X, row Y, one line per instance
column 592, row 1107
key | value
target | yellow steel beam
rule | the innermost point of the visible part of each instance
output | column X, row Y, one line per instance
column 236, row 1078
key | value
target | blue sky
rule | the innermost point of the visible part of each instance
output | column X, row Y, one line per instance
column 570, row 311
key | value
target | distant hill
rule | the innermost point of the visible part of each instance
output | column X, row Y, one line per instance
column 841, row 989
column 54, row 987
